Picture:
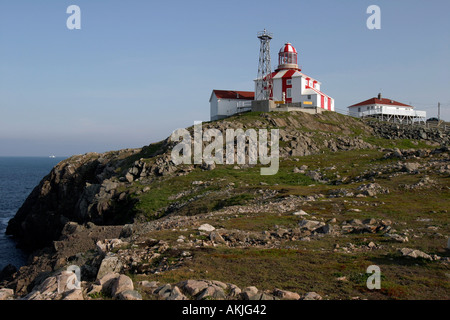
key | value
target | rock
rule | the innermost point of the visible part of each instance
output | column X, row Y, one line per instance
column 127, row 231
column 311, row 296
column 176, row 294
column 412, row 253
column 310, row 224
column 217, row 238
column 94, row 289
column 369, row 221
column 129, row 177
column 149, row 284
column 249, row 293
column 74, row 295
column 208, row 167
column 122, row 283
column 300, row 213
column 129, row 295
column 411, row 167
column 107, row 282
column 107, row 245
column 71, row 228
column 164, row 291
column 56, row 287
column 206, row 227
column 194, row 287
column 371, row 189
column 214, row 292
column 397, row 153
column 326, row 229
column 234, row 291
column 6, row 294
column 66, row 280
column 314, row 175
column 396, row 237
column 286, row 295
column 110, row 264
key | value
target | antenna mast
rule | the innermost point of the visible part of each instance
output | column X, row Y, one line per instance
column 264, row 82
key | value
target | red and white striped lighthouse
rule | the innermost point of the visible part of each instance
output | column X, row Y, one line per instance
column 290, row 85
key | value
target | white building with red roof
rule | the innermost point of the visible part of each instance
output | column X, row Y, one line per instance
column 225, row 103
column 291, row 86
column 387, row 110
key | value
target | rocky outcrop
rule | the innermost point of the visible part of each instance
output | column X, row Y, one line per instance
column 217, row 290
column 389, row 130
column 78, row 189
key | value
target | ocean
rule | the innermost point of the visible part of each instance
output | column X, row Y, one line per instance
column 18, row 177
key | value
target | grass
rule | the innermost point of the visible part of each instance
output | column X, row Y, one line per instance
column 303, row 266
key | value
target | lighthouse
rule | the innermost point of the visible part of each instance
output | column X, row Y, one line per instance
column 285, row 89
column 291, row 86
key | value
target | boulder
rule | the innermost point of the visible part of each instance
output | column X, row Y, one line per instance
column 310, row 224
column 311, row 296
column 164, row 291
column 396, row 237
column 250, row 293
column 122, row 283
column 234, row 291
column 213, row 292
column 75, row 294
column 300, row 213
column 176, row 294
column 206, row 227
column 129, row 177
column 6, row 294
column 109, row 264
column 129, row 295
column 286, row 295
column 214, row 236
column 412, row 253
column 194, row 287
column 107, row 282
column 411, row 167
column 326, row 229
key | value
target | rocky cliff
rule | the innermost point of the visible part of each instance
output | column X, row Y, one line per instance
column 134, row 212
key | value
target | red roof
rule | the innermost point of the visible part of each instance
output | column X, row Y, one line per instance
column 231, row 94
column 288, row 47
column 381, row 101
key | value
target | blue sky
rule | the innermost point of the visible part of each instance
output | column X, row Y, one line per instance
column 139, row 69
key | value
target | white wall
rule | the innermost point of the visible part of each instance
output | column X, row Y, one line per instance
column 277, row 89
column 297, row 89
column 315, row 99
column 213, row 107
column 227, row 107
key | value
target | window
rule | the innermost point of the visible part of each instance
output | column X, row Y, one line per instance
column 368, row 108
column 289, row 82
column 309, row 97
column 288, row 93
column 359, row 109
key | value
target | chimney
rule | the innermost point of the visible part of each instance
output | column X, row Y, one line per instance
column 379, row 96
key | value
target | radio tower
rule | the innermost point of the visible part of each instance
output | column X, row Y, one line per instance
column 264, row 83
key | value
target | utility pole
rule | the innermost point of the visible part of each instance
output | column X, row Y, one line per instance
column 439, row 111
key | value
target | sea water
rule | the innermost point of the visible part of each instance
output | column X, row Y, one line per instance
column 18, row 177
